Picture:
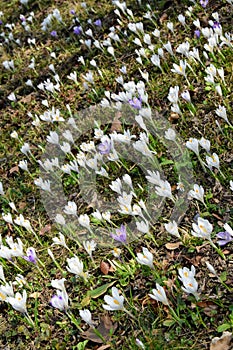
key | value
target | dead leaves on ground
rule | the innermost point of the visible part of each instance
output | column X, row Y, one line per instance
column 103, row 332
column 222, row 343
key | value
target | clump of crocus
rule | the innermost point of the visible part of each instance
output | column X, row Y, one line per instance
column 187, row 278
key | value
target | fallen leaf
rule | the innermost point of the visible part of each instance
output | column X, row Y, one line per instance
column 22, row 205
column 209, row 308
column 26, row 99
column 116, row 124
column 163, row 17
column 172, row 246
column 14, row 169
column 222, row 343
column 106, row 328
column 46, row 228
column 173, row 116
column 104, row 267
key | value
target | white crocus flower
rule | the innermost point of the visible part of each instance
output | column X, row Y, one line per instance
column 16, row 248
column 172, row 228
column 5, row 252
column 53, row 138
column 197, row 193
column 2, row 277
column 154, row 177
column 228, row 229
column 180, row 69
column 106, row 216
column 59, row 219
column 192, row 144
column 115, row 302
column 231, row 185
column 73, row 76
column 142, row 147
column 142, row 226
column 168, row 47
column 159, row 294
column 222, row 113
column 18, row 302
column 173, row 95
column 164, row 189
column 127, row 179
column 90, row 246
column 202, row 229
column 23, row 164
column 212, row 161
column 189, row 281
column 86, row 316
column 170, row 134
column 116, row 186
column 59, row 284
column 75, row 266
column 84, row 221
column 7, row 218
column 60, row 240
column 204, row 143
column 145, row 258
column 211, row 268
column 71, row 208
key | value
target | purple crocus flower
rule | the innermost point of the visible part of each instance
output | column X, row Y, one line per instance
column 53, row 33
column 224, row 237
column 216, row 24
column 197, row 33
column 60, row 301
column 204, row 3
column 98, row 23
column 120, row 235
column 104, row 147
column 77, row 30
column 136, row 102
column 72, row 12
column 31, row 255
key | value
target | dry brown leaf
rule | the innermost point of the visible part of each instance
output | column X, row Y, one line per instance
column 106, row 328
column 173, row 116
column 116, row 124
column 104, row 267
column 22, row 205
column 27, row 99
column 46, row 228
column 209, row 308
column 163, row 17
column 172, row 246
column 222, row 343
column 14, row 169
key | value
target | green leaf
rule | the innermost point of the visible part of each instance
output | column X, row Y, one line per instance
column 167, row 161
column 223, row 276
column 95, row 293
column 168, row 323
column 82, row 345
column 223, row 327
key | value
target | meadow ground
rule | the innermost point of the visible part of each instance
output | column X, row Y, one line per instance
column 116, row 174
